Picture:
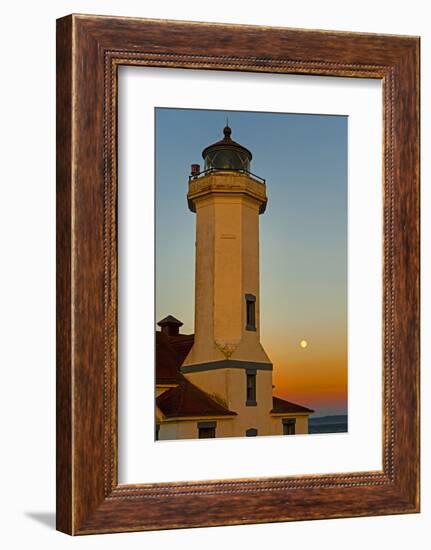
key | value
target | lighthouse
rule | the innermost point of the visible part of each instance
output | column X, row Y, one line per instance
column 227, row 357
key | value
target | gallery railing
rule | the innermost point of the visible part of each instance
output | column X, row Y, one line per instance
column 197, row 175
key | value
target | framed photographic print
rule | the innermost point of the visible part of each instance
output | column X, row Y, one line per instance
column 237, row 274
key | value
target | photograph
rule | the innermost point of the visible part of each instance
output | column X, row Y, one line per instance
column 251, row 229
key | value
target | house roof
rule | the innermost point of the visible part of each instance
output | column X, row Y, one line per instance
column 167, row 361
column 188, row 400
column 170, row 354
column 227, row 141
column 182, row 344
column 282, row 406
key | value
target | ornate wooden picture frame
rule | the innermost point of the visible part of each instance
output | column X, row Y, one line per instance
column 89, row 51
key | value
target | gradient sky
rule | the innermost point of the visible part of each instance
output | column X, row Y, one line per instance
column 303, row 239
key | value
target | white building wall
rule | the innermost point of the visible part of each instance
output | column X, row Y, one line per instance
column 230, row 427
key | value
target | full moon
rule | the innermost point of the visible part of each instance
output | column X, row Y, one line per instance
column 303, row 343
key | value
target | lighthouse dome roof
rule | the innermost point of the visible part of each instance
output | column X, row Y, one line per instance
column 227, row 154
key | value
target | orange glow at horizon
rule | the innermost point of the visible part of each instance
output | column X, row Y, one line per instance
column 316, row 379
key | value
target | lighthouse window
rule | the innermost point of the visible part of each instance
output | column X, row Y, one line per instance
column 250, row 301
column 289, row 426
column 251, row 388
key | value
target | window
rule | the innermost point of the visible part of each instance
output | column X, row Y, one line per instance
column 250, row 302
column 250, row 388
column 206, row 430
column 206, row 433
column 251, row 432
column 289, row 426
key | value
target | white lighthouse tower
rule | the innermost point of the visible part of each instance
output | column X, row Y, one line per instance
column 227, row 358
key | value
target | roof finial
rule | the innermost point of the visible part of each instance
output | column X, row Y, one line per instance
column 226, row 130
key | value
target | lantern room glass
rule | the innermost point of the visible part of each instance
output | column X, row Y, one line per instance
column 227, row 159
